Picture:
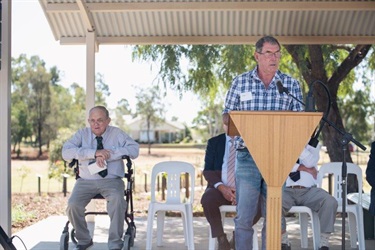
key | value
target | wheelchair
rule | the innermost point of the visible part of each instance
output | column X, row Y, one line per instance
column 130, row 232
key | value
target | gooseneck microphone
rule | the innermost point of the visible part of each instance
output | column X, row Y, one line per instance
column 282, row 89
column 309, row 107
column 310, row 101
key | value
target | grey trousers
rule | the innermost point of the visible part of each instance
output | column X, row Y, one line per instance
column 317, row 199
column 113, row 191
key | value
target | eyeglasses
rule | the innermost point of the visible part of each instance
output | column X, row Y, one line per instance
column 100, row 121
column 269, row 54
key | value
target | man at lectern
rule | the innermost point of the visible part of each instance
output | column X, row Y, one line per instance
column 301, row 190
column 251, row 91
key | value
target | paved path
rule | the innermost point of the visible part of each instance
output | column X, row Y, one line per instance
column 45, row 235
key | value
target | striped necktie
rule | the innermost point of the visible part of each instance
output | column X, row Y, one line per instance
column 99, row 146
column 231, row 165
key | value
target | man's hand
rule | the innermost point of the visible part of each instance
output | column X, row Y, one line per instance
column 228, row 193
column 101, row 156
column 313, row 171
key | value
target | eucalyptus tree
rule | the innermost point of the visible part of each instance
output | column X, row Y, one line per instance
column 202, row 67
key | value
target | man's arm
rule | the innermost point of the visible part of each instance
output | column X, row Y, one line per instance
column 127, row 147
column 72, row 149
column 212, row 175
column 370, row 170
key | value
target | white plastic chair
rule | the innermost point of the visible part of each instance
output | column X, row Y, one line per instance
column 354, row 211
column 304, row 212
column 174, row 201
column 226, row 209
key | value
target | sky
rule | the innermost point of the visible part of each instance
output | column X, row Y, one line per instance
column 31, row 35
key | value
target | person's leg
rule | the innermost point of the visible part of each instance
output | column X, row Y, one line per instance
column 248, row 184
column 325, row 205
column 287, row 203
column 211, row 200
column 81, row 195
column 113, row 191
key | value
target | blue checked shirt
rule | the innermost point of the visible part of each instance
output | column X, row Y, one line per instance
column 249, row 93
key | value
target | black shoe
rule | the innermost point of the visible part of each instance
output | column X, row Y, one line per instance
column 232, row 242
column 324, row 248
column 84, row 247
column 223, row 242
column 285, row 246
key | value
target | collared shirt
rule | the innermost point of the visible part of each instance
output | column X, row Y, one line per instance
column 224, row 170
column 82, row 147
column 248, row 92
column 309, row 158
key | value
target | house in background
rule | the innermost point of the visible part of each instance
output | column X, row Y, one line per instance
column 163, row 132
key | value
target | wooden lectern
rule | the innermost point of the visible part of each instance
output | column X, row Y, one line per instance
column 275, row 140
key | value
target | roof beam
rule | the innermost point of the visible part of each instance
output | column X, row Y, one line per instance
column 220, row 40
column 88, row 20
column 86, row 15
column 206, row 6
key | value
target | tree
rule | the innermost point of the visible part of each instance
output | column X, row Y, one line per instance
column 150, row 107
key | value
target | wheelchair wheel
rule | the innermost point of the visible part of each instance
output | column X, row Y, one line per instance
column 73, row 236
column 64, row 241
column 126, row 242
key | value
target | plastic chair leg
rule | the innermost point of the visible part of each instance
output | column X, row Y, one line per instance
column 150, row 220
column 160, row 228
column 303, row 221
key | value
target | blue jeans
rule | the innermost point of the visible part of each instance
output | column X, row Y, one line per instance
column 249, row 186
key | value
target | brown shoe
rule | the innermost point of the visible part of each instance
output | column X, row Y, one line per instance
column 223, row 242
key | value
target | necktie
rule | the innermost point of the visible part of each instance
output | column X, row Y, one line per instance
column 99, row 139
column 231, row 165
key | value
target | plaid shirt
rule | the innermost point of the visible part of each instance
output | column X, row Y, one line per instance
column 249, row 93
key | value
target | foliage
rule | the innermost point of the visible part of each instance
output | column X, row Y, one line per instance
column 19, row 214
column 57, row 166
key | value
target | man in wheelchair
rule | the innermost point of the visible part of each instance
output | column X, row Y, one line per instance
column 99, row 150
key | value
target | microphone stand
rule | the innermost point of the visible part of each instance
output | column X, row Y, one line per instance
column 346, row 138
column 5, row 241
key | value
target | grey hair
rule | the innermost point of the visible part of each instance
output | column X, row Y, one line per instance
column 266, row 39
column 102, row 108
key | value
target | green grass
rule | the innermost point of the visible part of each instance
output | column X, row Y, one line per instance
column 19, row 214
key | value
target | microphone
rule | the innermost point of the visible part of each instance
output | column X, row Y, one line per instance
column 310, row 101
column 281, row 88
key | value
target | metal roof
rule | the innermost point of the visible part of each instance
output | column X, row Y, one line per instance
column 211, row 21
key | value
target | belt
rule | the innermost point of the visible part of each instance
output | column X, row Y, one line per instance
column 297, row 187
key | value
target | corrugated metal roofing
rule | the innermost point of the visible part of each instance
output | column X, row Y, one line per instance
column 211, row 21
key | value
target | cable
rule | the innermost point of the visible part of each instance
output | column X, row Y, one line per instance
column 314, row 139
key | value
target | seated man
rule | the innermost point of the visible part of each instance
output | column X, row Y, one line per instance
column 301, row 190
column 221, row 184
column 370, row 177
column 104, row 145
